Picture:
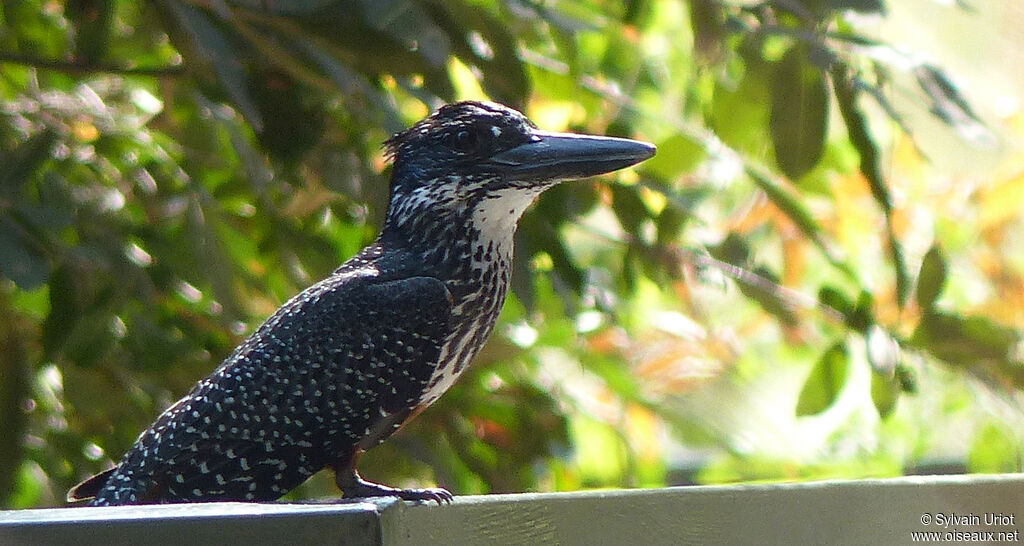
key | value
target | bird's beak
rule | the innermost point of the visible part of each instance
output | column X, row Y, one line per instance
column 560, row 156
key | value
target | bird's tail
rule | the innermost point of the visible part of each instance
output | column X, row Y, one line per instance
column 90, row 487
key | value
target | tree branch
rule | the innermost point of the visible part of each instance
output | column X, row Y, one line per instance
column 77, row 67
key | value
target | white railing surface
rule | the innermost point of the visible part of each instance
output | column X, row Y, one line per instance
column 886, row 511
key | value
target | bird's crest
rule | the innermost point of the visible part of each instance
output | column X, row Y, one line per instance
column 463, row 127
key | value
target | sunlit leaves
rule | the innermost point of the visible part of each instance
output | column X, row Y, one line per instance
column 601, row 456
column 847, row 92
column 275, row 65
column 995, row 450
column 148, row 223
column 739, row 109
column 483, row 41
column 677, row 155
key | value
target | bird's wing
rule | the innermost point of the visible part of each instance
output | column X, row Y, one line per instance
column 319, row 376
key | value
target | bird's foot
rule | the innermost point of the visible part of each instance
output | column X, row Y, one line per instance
column 355, row 487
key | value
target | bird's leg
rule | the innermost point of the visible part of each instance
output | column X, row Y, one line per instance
column 353, row 486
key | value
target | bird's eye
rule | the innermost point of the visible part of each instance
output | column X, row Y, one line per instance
column 465, row 141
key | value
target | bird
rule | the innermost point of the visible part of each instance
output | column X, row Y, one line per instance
column 348, row 361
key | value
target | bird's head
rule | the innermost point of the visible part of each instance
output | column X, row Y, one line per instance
column 472, row 152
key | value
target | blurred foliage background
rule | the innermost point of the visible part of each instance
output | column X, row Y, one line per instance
column 821, row 273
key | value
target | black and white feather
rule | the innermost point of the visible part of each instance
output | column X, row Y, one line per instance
column 342, row 365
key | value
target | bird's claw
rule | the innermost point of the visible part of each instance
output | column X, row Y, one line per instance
column 355, row 487
column 436, row 494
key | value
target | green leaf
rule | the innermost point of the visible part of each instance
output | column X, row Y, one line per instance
column 860, row 136
column 995, row 450
column 739, row 110
column 756, row 282
column 410, row 24
column 543, row 237
column 949, row 104
column 858, row 316
column 670, row 221
column 347, row 80
column 615, row 376
column 797, row 211
column 599, row 451
column 825, row 382
column 732, row 250
column 65, row 309
column 17, row 167
column 899, row 263
column 862, row 317
column 484, row 42
column 791, row 205
column 906, row 377
column 40, row 220
column 21, row 258
column 768, row 295
column 847, row 91
column 211, row 55
column 363, row 47
column 832, row 297
column 629, row 208
column 879, row 93
column 885, row 392
column 932, row 278
column 799, row 113
column 292, row 120
column 969, row 341
column 90, row 339
column 677, row 155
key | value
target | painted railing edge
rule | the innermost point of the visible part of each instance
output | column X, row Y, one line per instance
column 900, row 510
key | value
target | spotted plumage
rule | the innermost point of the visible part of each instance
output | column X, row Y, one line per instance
column 342, row 365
